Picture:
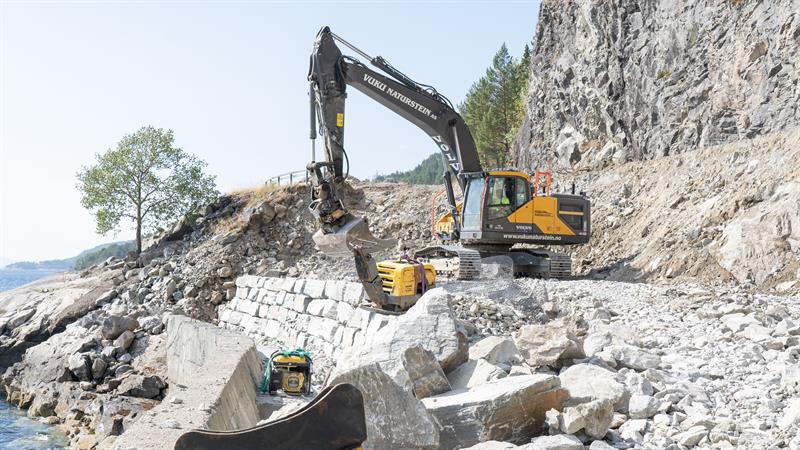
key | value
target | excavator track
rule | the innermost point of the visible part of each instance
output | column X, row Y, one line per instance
column 560, row 265
column 452, row 261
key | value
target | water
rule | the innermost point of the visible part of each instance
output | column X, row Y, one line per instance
column 17, row 431
column 11, row 278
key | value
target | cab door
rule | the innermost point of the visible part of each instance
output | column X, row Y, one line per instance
column 507, row 207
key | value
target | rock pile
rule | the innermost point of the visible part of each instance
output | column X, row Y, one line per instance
column 94, row 378
column 720, row 215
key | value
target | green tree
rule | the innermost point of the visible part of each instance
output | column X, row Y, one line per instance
column 429, row 171
column 145, row 179
column 494, row 104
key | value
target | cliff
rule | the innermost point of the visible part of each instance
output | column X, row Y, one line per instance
column 622, row 80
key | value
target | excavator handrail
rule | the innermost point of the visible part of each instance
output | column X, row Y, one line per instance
column 548, row 178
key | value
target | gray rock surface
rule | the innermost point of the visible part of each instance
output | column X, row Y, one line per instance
column 627, row 80
column 473, row 373
column 395, row 419
column 547, row 344
column 141, row 386
column 114, row 326
column 429, row 323
column 425, row 373
column 557, row 442
column 496, row 350
column 511, row 409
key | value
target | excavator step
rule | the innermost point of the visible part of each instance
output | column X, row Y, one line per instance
column 334, row 420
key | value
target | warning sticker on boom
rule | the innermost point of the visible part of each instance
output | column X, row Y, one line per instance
column 339, row 119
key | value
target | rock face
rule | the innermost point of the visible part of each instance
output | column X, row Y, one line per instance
column 395, row 419
column 512, row 409
column 620, row 80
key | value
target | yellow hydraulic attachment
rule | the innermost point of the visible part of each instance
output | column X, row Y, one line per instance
column 393, row 285
column 289, row 371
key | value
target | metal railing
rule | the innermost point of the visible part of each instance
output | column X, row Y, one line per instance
column 297, row 176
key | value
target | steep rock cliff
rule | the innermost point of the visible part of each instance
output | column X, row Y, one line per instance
column 620, row 80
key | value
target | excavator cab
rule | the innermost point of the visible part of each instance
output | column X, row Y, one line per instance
column 508, row 207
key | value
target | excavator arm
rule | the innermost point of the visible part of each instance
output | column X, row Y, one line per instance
column 330, row 73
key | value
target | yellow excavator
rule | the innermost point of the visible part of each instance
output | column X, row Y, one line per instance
column 500, row 208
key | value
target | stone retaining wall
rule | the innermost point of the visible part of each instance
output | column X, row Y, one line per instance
column 321, row 316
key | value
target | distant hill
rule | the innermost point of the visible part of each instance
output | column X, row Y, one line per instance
column 86, row 258
column 429, row 171
column 98, row 254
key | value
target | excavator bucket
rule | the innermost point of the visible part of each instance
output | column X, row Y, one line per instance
column 354, row 233
column 334, row 420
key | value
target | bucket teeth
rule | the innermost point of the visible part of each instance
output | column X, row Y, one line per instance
column 354, row 232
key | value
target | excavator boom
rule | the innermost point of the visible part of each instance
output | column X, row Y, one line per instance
column 330, row 73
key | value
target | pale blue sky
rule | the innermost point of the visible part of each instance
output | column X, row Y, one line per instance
column 228, row 77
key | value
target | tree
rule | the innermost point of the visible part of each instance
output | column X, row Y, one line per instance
column 494, row 104
column 145, row 179
column 429, row 171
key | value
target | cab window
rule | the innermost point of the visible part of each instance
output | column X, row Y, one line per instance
column 505, row 195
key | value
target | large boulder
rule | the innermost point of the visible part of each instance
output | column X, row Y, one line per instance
column 549, row 344
column 430, row 323
column 512, row 409
column 633, row 357
column 395, row 419
column 114, row 326
column 81, row 366
column 473, row 373
column 141, row 386
column 125, row 340
column 587, row 382
column 601, row 335
column 593, row 417
column 425, row 373
column 557, row 442
column 496, row 350
column 595, row 393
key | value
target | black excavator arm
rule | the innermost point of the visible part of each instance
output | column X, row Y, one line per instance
column 330, row 73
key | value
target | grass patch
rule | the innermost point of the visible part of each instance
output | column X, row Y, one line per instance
column 663, row 73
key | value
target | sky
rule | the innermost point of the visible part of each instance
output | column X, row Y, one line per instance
column 228, row 77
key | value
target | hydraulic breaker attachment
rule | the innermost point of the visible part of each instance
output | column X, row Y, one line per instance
column 334, row 420
column 340, row 240
column 370, row 278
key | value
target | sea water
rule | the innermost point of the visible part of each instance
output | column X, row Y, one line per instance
column 17, row 431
